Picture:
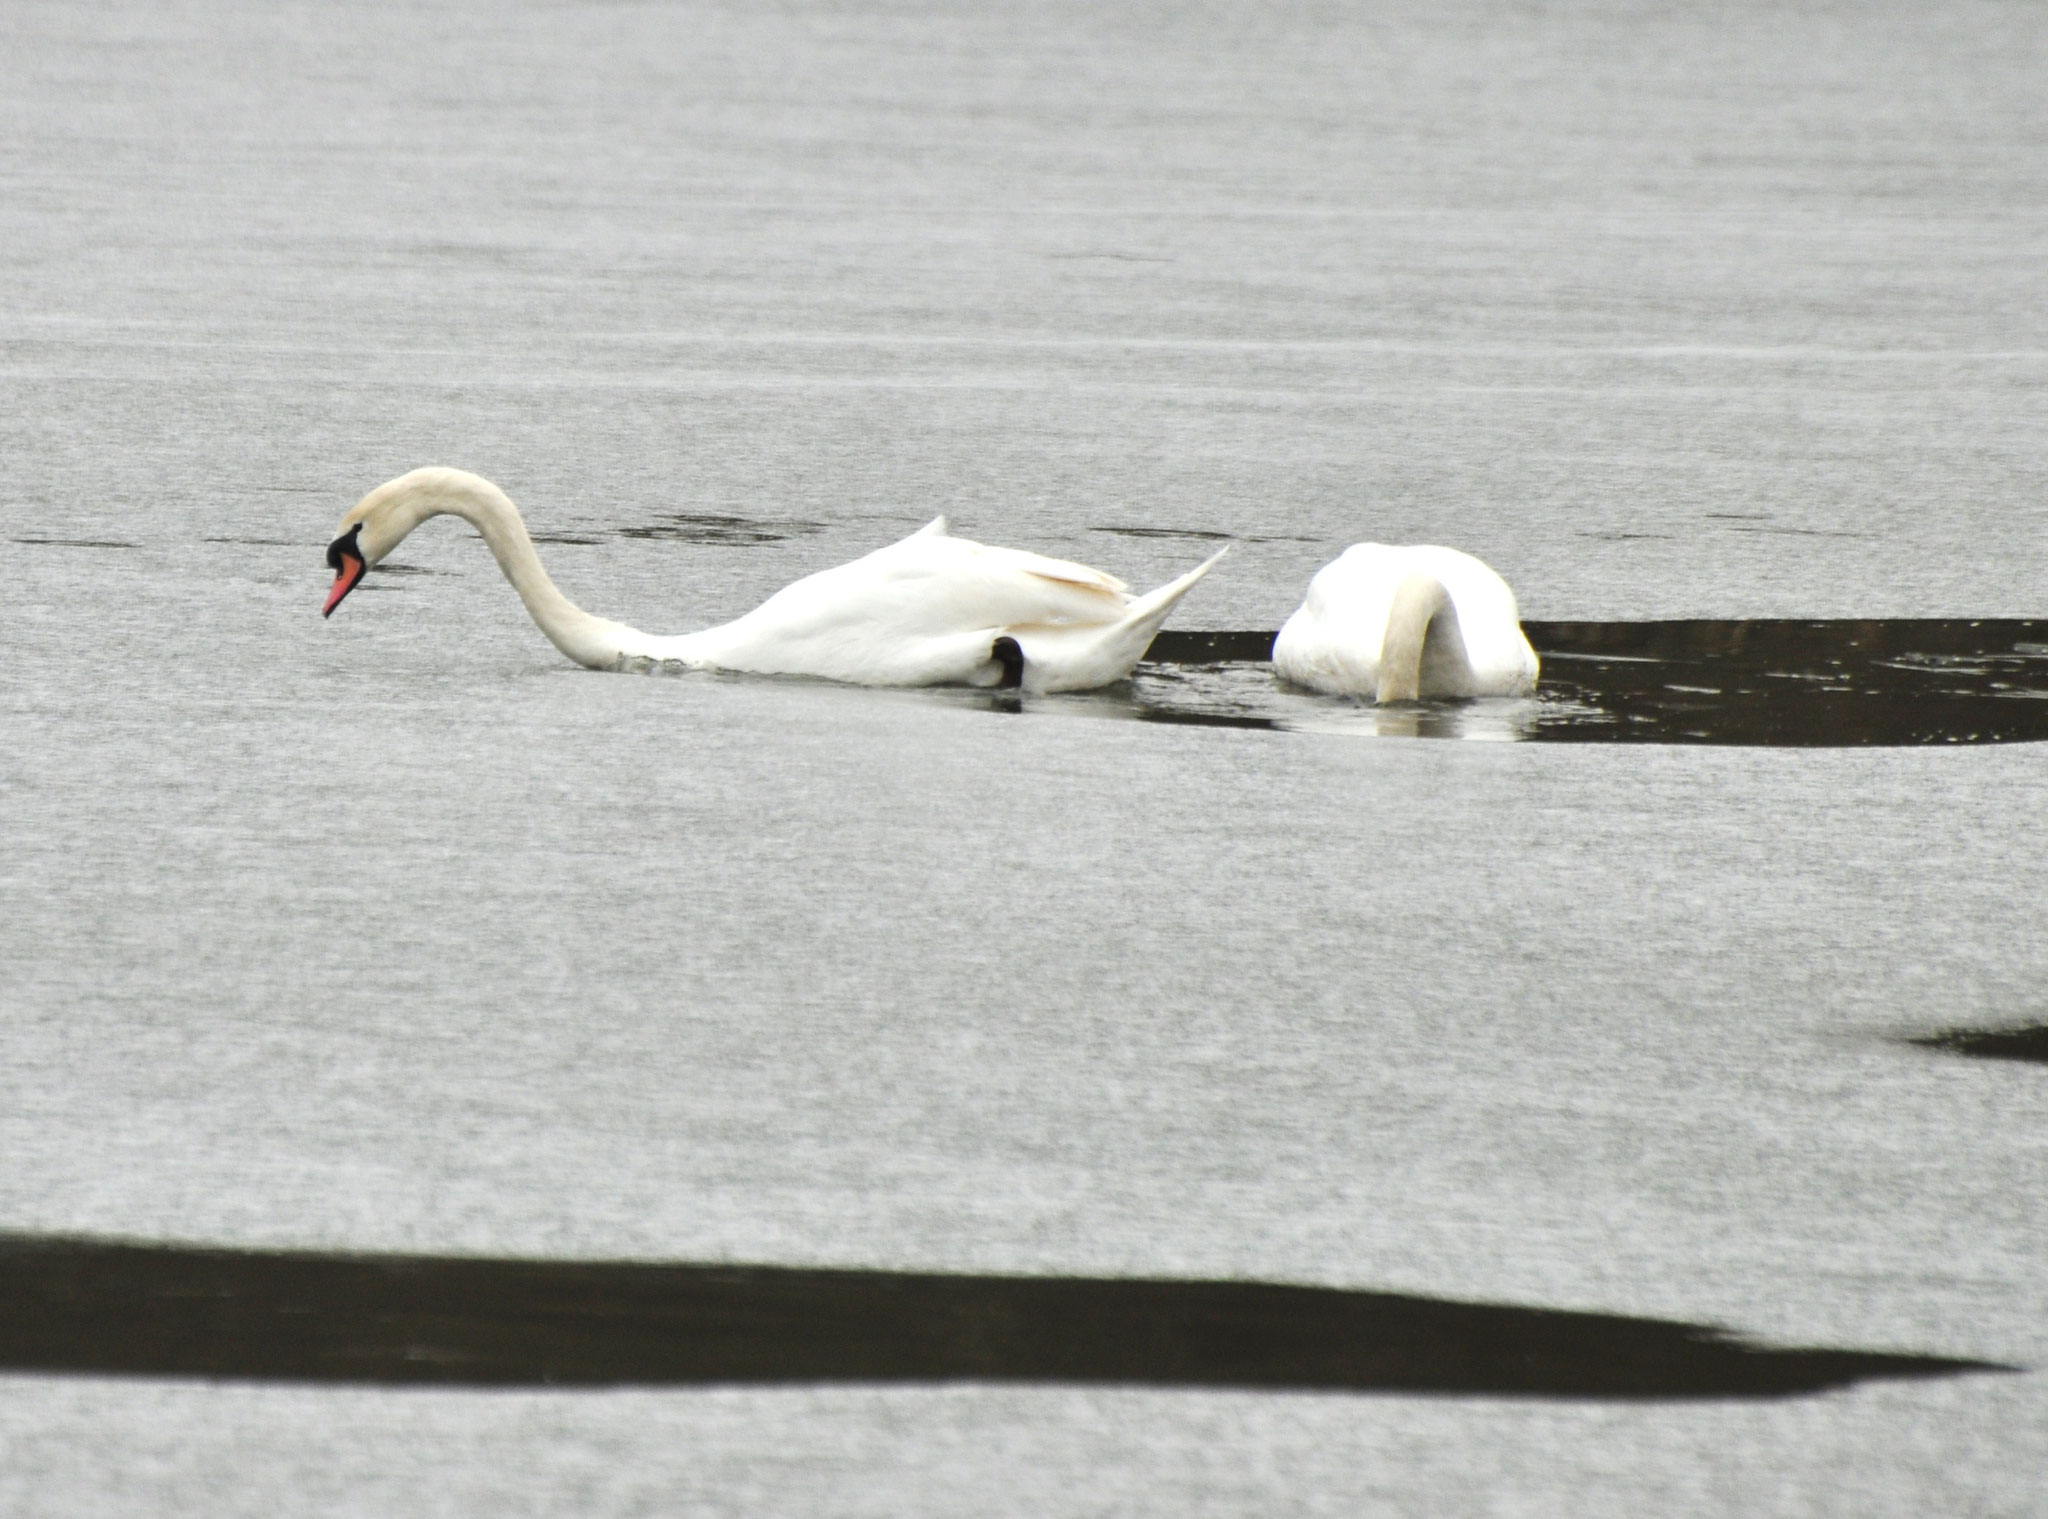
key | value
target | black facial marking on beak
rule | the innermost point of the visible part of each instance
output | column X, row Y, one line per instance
column 345, row 558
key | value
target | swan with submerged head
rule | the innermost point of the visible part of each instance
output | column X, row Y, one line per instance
column 1407, row 624
column 930, row 610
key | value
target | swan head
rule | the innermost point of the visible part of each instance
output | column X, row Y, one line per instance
column 379, row 522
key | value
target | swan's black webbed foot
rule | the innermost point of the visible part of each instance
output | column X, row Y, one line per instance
column 1010, row 689
column 1005, row 652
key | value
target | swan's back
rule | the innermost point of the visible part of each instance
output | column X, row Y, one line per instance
column 1333, row 642
column 933, row 582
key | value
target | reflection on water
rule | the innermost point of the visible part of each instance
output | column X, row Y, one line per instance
column 1803, row 683
column 93, row 1306
column 1785, row 684
column 1246, row 695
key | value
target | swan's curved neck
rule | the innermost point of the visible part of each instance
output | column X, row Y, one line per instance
column 1419, row 601
column 593, row 641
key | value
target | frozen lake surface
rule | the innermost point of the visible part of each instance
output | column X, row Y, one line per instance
column 398, row 934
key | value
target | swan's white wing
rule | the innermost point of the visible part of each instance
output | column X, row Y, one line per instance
column 979, row 569
column 973, row 562
column 921, row 611
column 938, row 584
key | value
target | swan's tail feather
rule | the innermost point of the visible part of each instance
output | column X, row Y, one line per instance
column 1151, row 609
column 1078, row 658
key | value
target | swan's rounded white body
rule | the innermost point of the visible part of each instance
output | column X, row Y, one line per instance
column 925, row 611
column 1407, row 623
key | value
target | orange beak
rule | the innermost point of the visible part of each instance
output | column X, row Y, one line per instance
column 345, row 558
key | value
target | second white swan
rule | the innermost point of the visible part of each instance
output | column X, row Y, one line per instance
column 930, row 610
column 1407, row 624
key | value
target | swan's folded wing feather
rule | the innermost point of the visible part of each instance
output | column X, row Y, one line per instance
column 990, row 586
column 933, row 549
column 920, row 588
column 1107, row 586
column 1065, row 573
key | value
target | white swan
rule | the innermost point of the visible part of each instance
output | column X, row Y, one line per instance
column 1405, row 624
column 930, row 610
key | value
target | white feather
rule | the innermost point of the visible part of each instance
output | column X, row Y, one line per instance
column 1447, row 623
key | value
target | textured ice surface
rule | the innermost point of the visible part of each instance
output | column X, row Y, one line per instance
column 396, row 933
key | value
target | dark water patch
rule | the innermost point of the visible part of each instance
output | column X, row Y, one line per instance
column 69, row 1305
column 261, row 543
column 388, row 568
column 1121, row 258
column 1192, row 534
column 716, row 528
column 1201, row 535
column 77, row 543
column 1777, row 682
column 1170, row 647
column 1162, row 714
column 1991, row 1044
column 1785, row 682
column 1760, row 522
column 1798, row 532
column 450, row 248
column 575, row 540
